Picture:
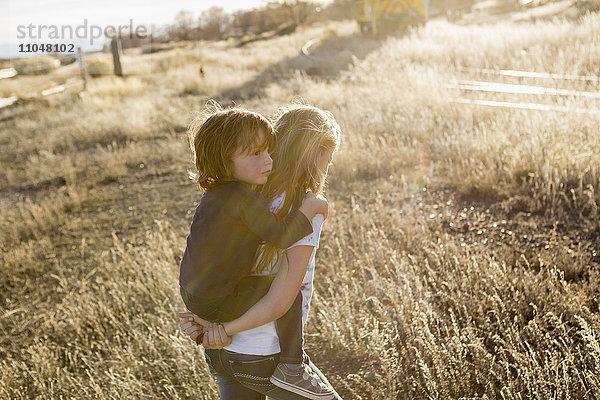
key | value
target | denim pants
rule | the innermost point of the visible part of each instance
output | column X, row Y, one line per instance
column 246, row 376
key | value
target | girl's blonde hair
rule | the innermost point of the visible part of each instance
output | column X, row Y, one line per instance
column 304, row 133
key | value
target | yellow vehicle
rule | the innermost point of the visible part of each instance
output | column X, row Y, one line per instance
column 380, row 16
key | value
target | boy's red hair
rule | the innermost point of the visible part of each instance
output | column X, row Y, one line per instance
column 214, row 141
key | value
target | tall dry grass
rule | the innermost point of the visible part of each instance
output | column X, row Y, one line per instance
column 556, row 161
column 458, row 262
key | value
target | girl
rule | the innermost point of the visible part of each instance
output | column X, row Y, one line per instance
column 307, row 137
column 231, row 149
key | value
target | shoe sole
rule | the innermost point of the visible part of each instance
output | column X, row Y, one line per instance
column 294, row 389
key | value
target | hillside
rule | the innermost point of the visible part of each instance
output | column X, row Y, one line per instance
column 462, row 258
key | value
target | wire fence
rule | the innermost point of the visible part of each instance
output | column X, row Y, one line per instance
column 475, row 86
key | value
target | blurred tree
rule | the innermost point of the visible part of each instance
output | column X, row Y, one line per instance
column 272, row 16
column 339, row 10
column 214, row 23
column 183, row 26
column 298, row 10
column 243, row 21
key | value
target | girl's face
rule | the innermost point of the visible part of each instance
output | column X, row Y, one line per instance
column 252, row 167
column 325, row 160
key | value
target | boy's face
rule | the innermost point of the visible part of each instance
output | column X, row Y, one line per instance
column 252, row 167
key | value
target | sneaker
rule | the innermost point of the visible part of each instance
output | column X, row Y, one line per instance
column 302, row 381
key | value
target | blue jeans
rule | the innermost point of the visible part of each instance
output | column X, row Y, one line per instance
column 246, row 376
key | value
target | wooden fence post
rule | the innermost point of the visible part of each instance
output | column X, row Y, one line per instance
column 115, row 46
column 81, row 61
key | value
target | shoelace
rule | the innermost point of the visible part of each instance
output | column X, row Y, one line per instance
column 314, row 381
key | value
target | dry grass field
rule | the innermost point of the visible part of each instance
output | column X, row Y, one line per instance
column 462, row 258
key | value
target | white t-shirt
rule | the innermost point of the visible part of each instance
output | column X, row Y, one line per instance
column 263, row 340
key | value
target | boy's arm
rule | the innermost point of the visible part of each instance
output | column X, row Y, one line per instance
column 256, row 214
column 281, row 295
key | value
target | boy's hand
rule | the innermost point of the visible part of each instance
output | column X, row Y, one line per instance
column 208, row 334
column 193, row 326
column 191, row 317
column 216, row 337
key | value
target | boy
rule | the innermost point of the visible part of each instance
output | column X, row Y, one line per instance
column 232, row 156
